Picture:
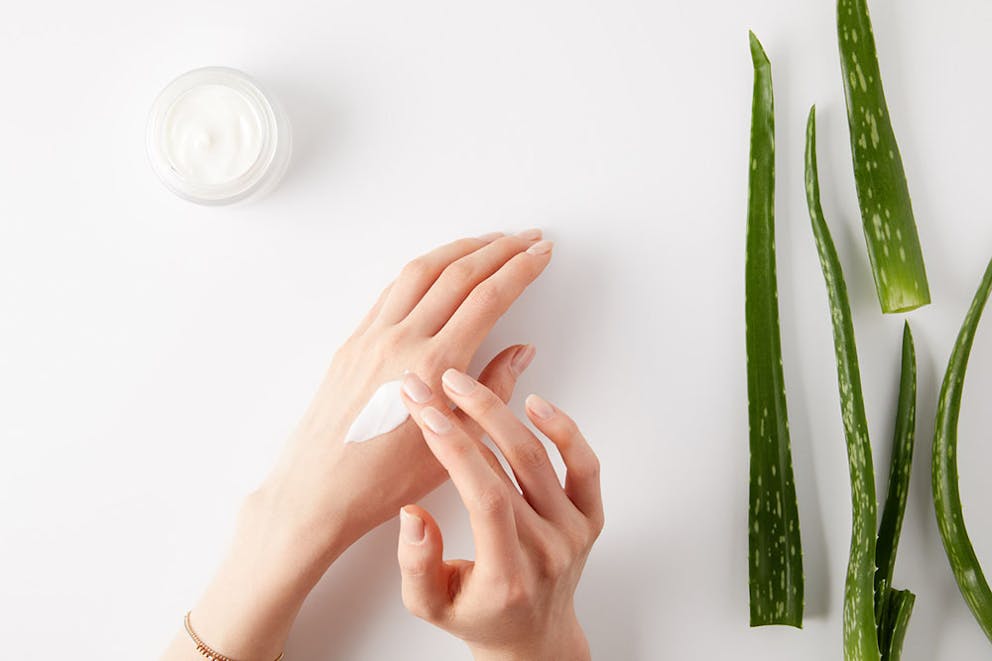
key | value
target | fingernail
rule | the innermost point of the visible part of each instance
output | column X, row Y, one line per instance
column 458, row 383
column 436, row 421
column 540, row 248
column 490, row 237
column 416, row 389
column 411, row 527
column 522, row 358
column 539, row 407
column 530, row 235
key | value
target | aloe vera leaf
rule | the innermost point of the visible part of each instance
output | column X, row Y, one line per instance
column 886, row 209
column 894, row 622
column 774, row 548
column 944, row 477
column 860, row 637
column 899, row 468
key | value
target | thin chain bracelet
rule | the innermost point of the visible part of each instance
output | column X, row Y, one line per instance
column 205, row 649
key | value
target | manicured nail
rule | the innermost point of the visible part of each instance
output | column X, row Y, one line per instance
column 530, row 235
column 492, row 236
column 522, row 358
column 539, row 407
column 411, row 527
column 416, row 389
column 457, row 382
column 540, row 248
column 436, row 421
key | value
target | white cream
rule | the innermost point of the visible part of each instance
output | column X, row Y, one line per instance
column 383, row 413
column 214, row 137
column 212, row 134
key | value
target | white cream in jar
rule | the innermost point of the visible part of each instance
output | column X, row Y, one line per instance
column 214, row 137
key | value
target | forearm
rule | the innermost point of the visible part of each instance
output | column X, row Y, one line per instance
column 249, row 607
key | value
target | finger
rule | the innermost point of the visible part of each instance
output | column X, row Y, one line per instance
column 500, row 376
column 523, row 451
column 418, row 276
column 582, row 465
column 372, row 314
column 420, row 554
column 492, row 297
column 461, row 276
column 485, row 495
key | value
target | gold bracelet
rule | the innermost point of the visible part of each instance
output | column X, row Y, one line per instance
column 205, row 649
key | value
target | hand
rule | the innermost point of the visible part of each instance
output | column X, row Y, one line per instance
column 516, row 600
column 324, row 494
column 436, row 314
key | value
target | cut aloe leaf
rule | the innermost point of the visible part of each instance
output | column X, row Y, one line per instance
column 886, row 209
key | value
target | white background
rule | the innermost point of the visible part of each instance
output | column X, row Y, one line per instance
column 154, row 354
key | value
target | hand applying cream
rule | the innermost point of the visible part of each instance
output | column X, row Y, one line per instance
column 322, row 495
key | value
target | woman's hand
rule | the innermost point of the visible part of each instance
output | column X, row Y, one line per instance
column 324, row 494
column 434, row 315
column 516, row 600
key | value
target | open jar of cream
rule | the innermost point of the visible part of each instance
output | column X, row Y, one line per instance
column 214, row 137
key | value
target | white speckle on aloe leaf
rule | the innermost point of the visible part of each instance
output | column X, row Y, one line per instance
column 861, row 78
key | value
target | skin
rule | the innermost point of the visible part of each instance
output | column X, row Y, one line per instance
column 515, row 601
column 323, row 495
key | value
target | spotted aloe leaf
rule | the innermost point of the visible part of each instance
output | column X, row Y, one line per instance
column 886, row 209
column 944, row 478
column 775, row 550
column 860, row 636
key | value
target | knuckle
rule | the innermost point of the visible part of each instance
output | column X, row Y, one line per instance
column 486, row 403
column 419, row 608
column 558, row 561
column 413, row 566
column 434, row 360
column 458, row 451
column 460, row 272
column 530, row 454
column 493, row 499
column 568, row 427
column 586, row 468
column 516, row 594
column 487, row 294
column 389, row 342
column 597, row 522
column 416, row 270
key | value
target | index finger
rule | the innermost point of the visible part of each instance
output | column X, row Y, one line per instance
column 486, row 497
column 491, row 298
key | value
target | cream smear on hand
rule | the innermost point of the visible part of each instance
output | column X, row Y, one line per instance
column 383, row 413
column 214, row 137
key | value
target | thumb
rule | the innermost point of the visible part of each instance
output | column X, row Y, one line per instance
column 425, row 577
column 500, row 375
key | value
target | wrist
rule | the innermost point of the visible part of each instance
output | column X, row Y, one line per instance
column 562, row 643
column 274, row 561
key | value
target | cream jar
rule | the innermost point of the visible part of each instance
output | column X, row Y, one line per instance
column 214, row 137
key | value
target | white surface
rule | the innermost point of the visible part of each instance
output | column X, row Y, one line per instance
column 154, row 354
